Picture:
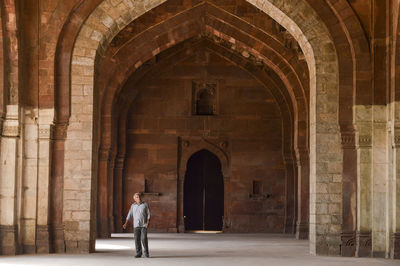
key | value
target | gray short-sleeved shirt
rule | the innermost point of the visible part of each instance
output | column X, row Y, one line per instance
column 139, row 213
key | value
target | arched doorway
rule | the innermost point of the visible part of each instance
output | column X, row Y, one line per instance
column 203, row 206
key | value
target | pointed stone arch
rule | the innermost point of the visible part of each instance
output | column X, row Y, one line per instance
column 189, row 146
column 313, row 37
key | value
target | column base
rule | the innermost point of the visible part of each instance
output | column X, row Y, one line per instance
column 301, row 231
column 42, row 239
column 103, row 229
column 348, row 245
column 9, row 240
column 289, row 227
column 111, row 225
column 364, row 244
column 181, row 228
column 118, row 222
column 395, row 251
column 58, row 239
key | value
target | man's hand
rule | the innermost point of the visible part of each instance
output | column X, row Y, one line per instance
column 124, row 225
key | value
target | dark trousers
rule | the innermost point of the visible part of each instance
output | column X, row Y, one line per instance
column 140, row 234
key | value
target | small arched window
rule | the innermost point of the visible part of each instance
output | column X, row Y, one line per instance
column 205, row 102
column 204, row 98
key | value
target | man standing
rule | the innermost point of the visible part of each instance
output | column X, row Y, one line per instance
column 140, row 213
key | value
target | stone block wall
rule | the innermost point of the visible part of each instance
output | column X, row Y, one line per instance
column 247, row 116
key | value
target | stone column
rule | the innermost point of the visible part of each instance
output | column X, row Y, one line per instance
column 8, row 182
column 29, row 136
column 395, row 237
column 56, row 188
column 42, row 230
column 379, row 186
column 110, row 193
column 102, row 196
column 290, row 194
column 349, row 196
column 118, row 192
column 364, row 225
column 303, row 189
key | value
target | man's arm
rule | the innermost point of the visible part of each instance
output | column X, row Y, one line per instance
column 128, row 217
column 148, row 215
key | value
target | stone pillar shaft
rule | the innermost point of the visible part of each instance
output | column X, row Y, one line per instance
column 290, row 195
column 363, row 234
column 103, row 200
column 43, row 236
column 349, row 196
column 8, row 182
column 58, row 132
column 118, row 193
column 303, row 188
column 395, row 233
column 379, row 183
column 29, row 179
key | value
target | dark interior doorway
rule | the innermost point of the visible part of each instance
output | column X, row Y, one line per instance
column 203, row 205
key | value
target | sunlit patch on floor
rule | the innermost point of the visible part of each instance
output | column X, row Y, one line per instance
column 102, row 246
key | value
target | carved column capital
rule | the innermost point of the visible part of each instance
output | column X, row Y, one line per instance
column 11, row 125
column 348, row 140
column 396, row 141
column 104, row 153
column 58, row 131
column 119, row 162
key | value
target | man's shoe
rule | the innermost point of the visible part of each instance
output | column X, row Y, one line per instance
column 147, row 255
column 138, row 255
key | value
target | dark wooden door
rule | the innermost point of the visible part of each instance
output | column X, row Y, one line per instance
column 203, row 206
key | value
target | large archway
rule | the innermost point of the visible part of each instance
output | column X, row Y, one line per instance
column 317, row 77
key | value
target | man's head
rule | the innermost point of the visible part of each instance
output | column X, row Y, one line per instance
column 137, row 198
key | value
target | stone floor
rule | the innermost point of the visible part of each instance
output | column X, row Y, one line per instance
column 198, row 249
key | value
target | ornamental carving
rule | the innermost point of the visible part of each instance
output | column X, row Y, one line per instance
column 364, row 239
column 58, row 131
column 396, row 141
column 10, row 131
column 365, row 141
column 44, row 132
column 348, row 140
